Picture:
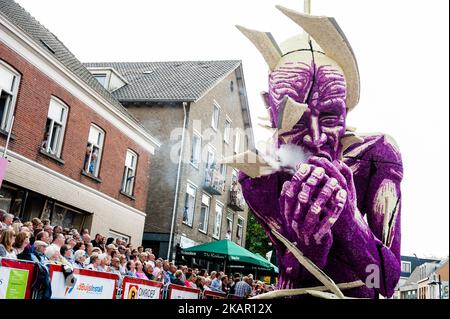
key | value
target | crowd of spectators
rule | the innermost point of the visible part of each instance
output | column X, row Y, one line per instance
column 45, row 244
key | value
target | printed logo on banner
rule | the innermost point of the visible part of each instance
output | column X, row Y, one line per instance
column 68, row 290
column 87, row 287
column 133, row 292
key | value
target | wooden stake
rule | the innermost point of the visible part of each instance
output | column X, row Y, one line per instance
column 307, row 10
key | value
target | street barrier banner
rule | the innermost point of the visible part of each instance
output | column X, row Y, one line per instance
column 180, row 292
column 16, row 278
column 208, row 294
column 135, row 288
column 90, row 284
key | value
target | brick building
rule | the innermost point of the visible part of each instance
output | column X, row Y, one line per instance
column 197, row 198
column 76, row 155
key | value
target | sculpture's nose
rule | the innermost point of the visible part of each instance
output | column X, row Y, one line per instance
column 315, row 138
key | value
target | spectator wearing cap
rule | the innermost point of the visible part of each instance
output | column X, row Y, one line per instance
column 39, row 251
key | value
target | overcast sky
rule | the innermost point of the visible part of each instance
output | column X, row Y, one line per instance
column 401, row 47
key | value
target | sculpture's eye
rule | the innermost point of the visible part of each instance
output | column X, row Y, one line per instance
column 329, row 120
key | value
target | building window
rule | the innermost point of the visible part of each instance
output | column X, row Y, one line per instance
column 129, row 172
column 227, row 132
column 67, row 217
column 215, row 117
column 239, row 230
column 101, row 77
column 223, row 170
column 9, row 86
column 229, row 225
column 196, row 148
column 189, row 205
column 55, row 127
column 218, row 221
column 120, row 236
column 406, row 266
column 204, row 213
column 237, row 142
column 210, row 159
column 94, row 150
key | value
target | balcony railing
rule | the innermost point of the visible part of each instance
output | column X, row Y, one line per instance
column 214, row 182
column 236, row 201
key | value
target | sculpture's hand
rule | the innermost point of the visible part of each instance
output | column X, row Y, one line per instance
column 343, row 174
column 311, row 202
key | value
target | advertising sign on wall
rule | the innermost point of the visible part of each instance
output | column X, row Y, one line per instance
column 15, row 279
column 180, row 292
column 134, row 288
column 90, row 284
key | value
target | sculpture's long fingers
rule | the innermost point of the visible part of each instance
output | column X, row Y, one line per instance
column 304, row 197
column 309, row 265
column 329, row 220
column 330, row 169
column 312, row 217
column 348, row 175
column 293, row 188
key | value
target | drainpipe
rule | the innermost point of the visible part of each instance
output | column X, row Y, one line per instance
column 175, row 202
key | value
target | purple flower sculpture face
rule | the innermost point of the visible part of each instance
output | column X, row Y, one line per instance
column 323, row 89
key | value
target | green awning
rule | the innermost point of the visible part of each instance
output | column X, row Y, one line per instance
column 222, row 250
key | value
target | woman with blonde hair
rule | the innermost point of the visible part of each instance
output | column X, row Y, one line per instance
column 6, row 244
column 16, row 226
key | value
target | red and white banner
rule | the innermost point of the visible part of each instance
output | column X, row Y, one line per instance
column 136, row 288
column 16, row 278
column 180, row 292
column 208, row 294
column 90, row 284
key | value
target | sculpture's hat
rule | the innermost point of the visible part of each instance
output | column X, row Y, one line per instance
column 328, row 38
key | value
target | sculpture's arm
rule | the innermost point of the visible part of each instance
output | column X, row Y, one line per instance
column 372, row 248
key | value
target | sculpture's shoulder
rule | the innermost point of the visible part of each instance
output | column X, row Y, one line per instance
column 377, row 147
